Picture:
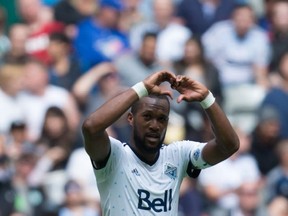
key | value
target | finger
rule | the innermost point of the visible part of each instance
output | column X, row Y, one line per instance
column 168, row 93
column 168, row 76
column 181, row 98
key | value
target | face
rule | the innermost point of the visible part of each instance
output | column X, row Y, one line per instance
column 18, row 36
column 192, row 51
column 110, row 17
column 11, row 79
column 280, row 16
column 74, row 198
column 270, row 129
column 36, row 77
column 249, row 197
column 150, row 124
column 29, row 9
column 163, row 10
column 57, row 49
column 54, row 125
column 243, row 19
column 148, row 48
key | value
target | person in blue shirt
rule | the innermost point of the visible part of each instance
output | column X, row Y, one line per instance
column 98, row 38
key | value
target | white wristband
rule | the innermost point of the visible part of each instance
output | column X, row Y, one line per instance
column 208, row 101
column 140, row 89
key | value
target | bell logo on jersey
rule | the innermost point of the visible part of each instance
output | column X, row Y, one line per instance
column 157, row 204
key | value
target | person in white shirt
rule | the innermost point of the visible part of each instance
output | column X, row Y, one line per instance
column 11, row 77
column 239, row 49
column 171, row 34
column 39, row 95
column 143, row 177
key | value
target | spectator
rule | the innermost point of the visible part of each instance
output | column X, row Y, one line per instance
column 277, row 96
column 39, row 19
column 4, row 40
column 53, row 148
column 25, row 202
column 194, row 65
column 39, row 95
column 200, row 15
column 241, row 53
column 79, row 169
column 56, row 139
column 102, row 76
column 6, row 187
column 103, row 40
column 131, row 15
column 250, row 201
column 16, row 140
column 190, row 199
column 241, row 168
column 277, row 178
column 18, row 36
column 171, row 35
column 75, row 202
column 70, row 12
column 64, row 68
column 11, row 82
column 278, row 32
column 265, row 136
column 141, row 63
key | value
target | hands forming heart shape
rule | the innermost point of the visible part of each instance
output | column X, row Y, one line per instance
column 189, row 89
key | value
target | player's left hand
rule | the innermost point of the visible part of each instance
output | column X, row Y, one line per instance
column 189, row 89
column 153, row 82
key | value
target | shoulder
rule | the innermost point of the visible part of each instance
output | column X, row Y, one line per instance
column 178, row 27
column 257, row 33
column 116, row 145
column 186, row 146
column 85, row 23
column 56, row 90
column 225, row 25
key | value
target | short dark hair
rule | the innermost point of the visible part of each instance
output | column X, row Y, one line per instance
column 135, row 107
column 243, row 5
column 148, row 35
column 36, row 61
column 60, row 37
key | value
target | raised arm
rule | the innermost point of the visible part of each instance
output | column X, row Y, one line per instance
column 226, row 141
column 94, row 127
column 87, row 81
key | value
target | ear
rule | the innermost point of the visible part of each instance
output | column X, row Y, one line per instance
column 130, row 118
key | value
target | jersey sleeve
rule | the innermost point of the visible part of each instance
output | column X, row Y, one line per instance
column 196, row 156
column 193, row 152
column 116, row 155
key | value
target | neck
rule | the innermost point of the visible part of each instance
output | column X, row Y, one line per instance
column 147, row 157
column 9, row 92
column 38, row 92
column 61, row 65
column 146, row 62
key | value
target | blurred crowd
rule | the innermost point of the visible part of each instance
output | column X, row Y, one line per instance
column 61, row 59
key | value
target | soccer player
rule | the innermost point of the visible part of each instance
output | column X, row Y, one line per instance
column 143, row 177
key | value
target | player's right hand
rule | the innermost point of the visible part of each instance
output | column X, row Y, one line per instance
column 153, row 82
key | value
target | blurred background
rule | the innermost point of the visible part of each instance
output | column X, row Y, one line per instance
column 62, row 59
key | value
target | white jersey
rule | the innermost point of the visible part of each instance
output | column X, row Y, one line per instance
column 129, row 186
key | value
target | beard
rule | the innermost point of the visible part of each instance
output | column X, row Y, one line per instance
column 140, row 143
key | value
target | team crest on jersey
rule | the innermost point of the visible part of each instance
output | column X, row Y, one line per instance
column 196, row 154
column 170, row 170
